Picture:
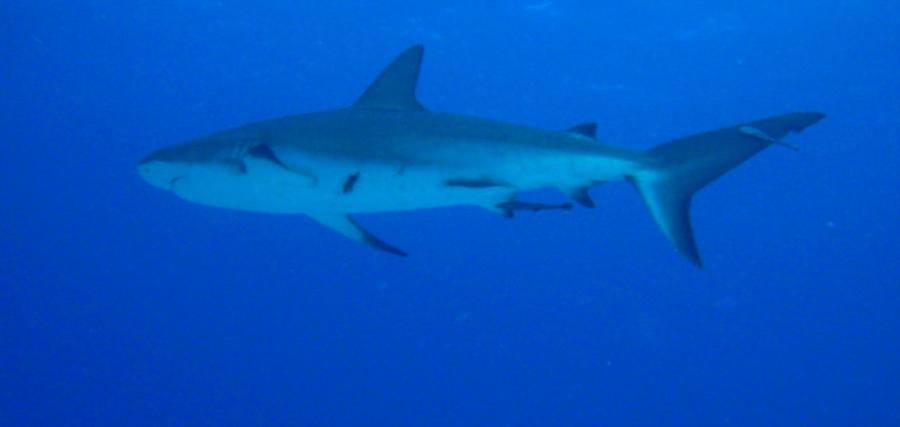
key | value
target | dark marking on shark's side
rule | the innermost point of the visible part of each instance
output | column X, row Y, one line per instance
column 350, row 182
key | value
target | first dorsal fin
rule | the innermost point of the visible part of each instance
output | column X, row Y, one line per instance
column 395, row 87
column 585, row 129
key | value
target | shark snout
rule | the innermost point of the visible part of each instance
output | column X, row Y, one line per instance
column 158, row 172
column 145, row 165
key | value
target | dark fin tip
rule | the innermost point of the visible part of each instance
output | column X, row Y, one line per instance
column 582, row 197
column 814, row 117
column 696, row 260
column 371, row 240
column 381, row 245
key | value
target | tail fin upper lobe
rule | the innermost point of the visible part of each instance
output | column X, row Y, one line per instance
column 678, row 169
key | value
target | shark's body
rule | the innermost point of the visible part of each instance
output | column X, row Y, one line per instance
column 388, row 153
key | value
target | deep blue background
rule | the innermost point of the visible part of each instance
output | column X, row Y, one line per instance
column 121, row 305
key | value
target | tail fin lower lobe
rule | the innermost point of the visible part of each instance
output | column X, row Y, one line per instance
column 676, row 170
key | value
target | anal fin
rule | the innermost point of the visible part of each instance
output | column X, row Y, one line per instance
column 345, row 225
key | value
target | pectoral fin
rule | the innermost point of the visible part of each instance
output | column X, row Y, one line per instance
column 344, row 224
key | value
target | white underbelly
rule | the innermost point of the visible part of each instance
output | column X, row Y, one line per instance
column 267, row 187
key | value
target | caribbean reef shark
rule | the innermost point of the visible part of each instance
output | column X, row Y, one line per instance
column 387, row 152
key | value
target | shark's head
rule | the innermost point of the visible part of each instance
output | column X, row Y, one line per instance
column 229, row 170
column 163, row 168
column 200, row 163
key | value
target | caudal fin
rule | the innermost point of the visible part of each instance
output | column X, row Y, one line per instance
column 676, row 170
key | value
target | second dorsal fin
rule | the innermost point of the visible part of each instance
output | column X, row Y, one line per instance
column 395, row 87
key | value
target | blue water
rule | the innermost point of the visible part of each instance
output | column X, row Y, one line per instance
column 122, row 305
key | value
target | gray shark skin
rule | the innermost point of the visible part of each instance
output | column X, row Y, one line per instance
column 388, row 153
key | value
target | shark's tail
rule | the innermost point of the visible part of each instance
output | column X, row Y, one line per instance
column 676, row 170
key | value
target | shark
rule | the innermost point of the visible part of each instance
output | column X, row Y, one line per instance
column 387, row 152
